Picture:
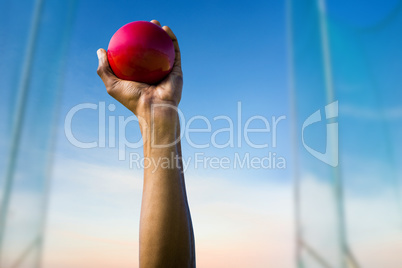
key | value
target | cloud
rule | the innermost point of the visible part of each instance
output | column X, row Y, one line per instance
column 94, row 216
column 393, row 113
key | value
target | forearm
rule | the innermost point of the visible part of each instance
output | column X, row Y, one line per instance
column 166, row 237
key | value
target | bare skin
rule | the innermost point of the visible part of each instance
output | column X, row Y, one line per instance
column 166, row 232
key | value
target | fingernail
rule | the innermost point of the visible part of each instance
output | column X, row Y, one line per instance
column 98, row 53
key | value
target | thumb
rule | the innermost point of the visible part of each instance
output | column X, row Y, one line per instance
column 104, row 71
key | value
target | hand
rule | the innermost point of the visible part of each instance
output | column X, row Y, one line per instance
column 139, row 97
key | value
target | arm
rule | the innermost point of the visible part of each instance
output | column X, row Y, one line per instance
column 166, row 233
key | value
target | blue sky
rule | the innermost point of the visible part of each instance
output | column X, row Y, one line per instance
column 232, row 52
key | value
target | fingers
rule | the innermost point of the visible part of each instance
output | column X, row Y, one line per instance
column 156, row 22
column 104, row 70
column 175, row 42
column 126, row 92
column 177, row 61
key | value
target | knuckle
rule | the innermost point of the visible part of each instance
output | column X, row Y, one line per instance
column 179, row 76
column 110, row 90
column 111, row 87
column 100, row 70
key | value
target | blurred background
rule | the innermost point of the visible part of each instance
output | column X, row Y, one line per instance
column 318, row 80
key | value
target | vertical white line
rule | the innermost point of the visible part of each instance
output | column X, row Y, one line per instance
column 293, row 111
column 18, row 120
column 329, row 86
column 49, row 160
column 239, row 125
column 326, row 51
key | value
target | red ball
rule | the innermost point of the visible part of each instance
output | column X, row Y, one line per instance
column 141, row 51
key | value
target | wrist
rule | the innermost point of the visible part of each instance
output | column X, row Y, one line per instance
column 160, row 130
